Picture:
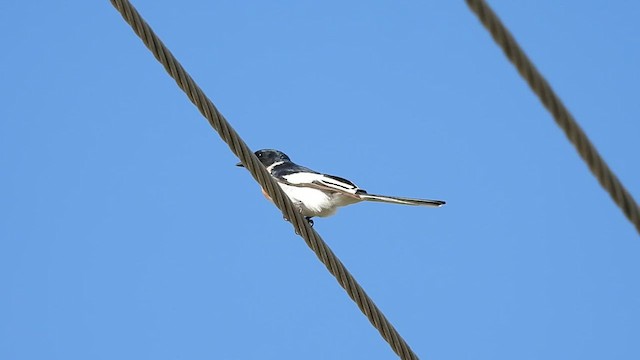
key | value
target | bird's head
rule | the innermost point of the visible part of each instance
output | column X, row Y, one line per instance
column 269, row 156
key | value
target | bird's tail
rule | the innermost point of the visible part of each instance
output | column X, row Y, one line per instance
column 401, row 200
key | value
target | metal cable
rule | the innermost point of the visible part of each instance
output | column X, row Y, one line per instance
column 561, row 115
column 260, row 174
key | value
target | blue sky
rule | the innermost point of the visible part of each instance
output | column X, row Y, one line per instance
column 126, row 232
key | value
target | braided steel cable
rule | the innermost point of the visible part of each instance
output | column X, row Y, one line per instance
column 539, row 85
column 260, row 174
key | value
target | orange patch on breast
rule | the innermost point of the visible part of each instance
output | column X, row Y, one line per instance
column 266, row 195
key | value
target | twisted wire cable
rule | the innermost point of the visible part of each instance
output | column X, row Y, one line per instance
column 260, row 174
column 539, row 85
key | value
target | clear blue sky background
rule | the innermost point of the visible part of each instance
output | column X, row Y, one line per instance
column 127, row 233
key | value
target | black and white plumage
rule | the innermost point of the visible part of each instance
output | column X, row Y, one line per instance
column 317, row 194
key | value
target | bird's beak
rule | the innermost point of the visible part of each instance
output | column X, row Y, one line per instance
column 240, row 164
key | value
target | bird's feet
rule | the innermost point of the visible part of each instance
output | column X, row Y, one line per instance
column 309, row 220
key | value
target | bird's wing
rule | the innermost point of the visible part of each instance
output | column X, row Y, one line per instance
column 335, row 184
column 322, row 182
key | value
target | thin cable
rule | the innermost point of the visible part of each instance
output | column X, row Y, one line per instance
column 561, row 115
column 260, row 174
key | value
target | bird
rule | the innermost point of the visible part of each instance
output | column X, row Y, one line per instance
column 317, row 194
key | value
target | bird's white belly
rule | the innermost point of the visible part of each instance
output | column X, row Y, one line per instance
column 314, row 202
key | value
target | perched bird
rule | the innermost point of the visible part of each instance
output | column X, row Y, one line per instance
column 316, row 194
